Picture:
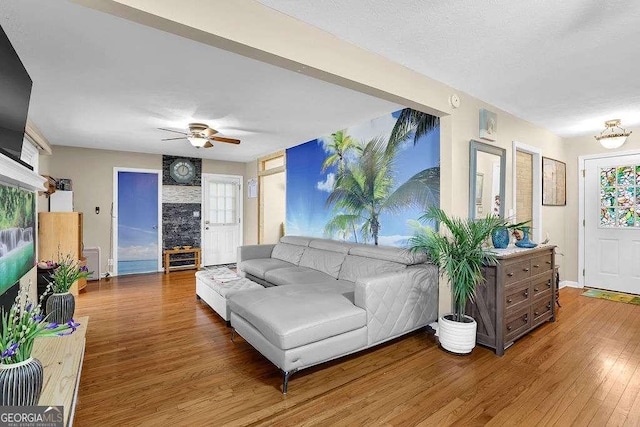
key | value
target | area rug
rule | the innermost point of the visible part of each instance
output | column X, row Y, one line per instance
column 613, row 296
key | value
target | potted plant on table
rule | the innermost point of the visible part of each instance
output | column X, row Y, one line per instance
column 21, row 375
column 460, row 255
column 61, row 304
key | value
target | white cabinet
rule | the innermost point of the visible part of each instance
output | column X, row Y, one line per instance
column 61, row 201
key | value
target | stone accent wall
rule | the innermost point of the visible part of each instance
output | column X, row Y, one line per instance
column 181, row 207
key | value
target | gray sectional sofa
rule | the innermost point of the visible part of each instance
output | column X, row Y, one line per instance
column 324, row 299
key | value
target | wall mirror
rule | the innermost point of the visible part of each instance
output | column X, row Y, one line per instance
column 487, row 167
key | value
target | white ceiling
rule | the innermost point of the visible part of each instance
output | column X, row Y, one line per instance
column 104, row 82
column 565, row 65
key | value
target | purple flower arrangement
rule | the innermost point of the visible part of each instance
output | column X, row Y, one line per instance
column 66, row 273
column 23, row 323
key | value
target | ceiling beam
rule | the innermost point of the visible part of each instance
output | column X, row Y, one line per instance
column 251, row 29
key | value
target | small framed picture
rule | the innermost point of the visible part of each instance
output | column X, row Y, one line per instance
column 554, row 182
column 488, row 125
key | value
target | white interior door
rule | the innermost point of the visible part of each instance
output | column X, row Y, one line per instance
column 612, row 223
column 222, row 218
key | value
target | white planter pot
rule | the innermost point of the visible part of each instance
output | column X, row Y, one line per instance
column 457, row 337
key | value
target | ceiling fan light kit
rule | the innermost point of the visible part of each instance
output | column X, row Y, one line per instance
column 201, row 135
column 613, row 136
column 197, row 140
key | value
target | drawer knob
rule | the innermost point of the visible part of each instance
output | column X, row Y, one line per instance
column 549, row 306
column 535, row 313
column 509, row 300
column 536, row 265
column 525, row 317
column 548, row 262
column 536, row 289
column 510, row 274
column 526, row 294
column 509, row 328
column 525, row 269
column 549, row 283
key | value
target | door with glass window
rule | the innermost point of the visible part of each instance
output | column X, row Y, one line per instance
column 222, row 215
column 612, row 223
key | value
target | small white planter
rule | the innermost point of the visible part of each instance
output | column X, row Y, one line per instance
column 457, row 337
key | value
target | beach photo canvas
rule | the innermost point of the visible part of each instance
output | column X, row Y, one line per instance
column 365, row 183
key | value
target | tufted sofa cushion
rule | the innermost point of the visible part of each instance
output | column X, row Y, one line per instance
column 323, row 260
column 258, row 267
column 357, row 267
column 287, row 252
column 296, row 276
column 387, row 253
column 291, row 316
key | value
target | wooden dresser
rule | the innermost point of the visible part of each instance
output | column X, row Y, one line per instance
column 518, row 296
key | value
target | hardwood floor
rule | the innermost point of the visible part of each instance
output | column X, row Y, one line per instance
column 156, row 356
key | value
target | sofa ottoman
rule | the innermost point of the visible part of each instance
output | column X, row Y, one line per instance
column 215, row 292
column 296, row 325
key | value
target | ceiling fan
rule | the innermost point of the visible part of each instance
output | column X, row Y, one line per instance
column 201, row 136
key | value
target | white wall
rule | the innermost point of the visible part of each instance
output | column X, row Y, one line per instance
column 91, row 172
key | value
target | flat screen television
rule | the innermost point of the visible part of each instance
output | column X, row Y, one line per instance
column 15, row 92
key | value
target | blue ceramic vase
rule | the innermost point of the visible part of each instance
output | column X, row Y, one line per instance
column 525, row 242
column 500, row 237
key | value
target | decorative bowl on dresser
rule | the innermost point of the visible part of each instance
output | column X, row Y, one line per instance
column 518, row 296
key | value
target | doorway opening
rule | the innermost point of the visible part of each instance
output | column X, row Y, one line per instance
column 221, row 218
column 527, row 188
column 137, row 229
column 272, row 197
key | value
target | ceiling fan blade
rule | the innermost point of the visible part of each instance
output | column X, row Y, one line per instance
column 172, row 139
column 174, row 131
column 223, row 139
column 208, row 132
column 207, row 145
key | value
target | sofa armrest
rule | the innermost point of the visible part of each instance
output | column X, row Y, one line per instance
column 254, row 252
column 398, row 302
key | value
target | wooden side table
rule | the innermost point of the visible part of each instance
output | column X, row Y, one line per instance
column 62, row 359
column 195, row 257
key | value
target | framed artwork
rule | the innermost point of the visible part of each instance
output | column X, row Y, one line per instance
column 488, row 125
column 554, row 182
column 479, row 184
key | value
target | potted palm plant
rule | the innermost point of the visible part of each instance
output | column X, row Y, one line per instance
column 460, row 255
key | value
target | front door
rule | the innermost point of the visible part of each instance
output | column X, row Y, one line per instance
column 612, row 223
column 137, row 234
column 222, row 218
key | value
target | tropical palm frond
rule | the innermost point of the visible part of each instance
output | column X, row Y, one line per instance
column 411, row 120
column 460, row 254
column 344, row 224
column 421, row 191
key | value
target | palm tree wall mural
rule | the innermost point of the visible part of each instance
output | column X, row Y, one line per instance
column 366, row 182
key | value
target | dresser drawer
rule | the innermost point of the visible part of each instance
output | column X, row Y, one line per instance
column 516, row 324
column 541, row 287
column 516, row 296
column 517, row 271
column 541, row 311
column 540, row 264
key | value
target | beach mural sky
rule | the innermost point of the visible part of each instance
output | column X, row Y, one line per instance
column 364, row 183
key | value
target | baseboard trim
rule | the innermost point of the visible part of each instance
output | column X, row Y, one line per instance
column 570, row 284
